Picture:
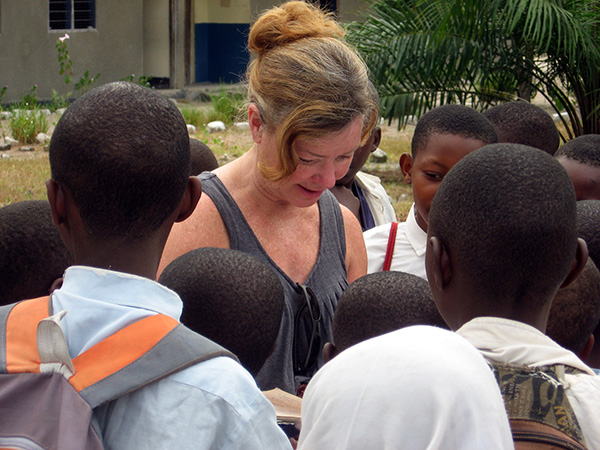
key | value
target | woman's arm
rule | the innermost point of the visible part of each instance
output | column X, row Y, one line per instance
column 356, row 253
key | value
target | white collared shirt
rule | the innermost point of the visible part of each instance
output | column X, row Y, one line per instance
column 377, row 198
column 409, row 251
column 213, row 404
column 512, row 342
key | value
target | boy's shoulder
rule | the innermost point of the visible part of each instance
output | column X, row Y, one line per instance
column 218, row 394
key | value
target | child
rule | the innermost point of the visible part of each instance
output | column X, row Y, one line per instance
column 362, row 193
column 229, row 297
column 379, row 303
column 202, row 158
column 120, row 166
column 442, row 137
column 502, row 239
column 32, row 254
column 575, row 313
column 524, row 123
column 416, row 388
column 588, row 229
column 581, row 159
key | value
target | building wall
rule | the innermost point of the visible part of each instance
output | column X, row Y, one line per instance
column 156, row 38
column 28, row 56
column 220, row 35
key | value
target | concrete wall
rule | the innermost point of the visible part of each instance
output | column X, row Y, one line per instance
column 156, row 38
column 28, row 56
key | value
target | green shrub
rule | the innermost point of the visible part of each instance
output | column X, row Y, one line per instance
column 226, row 106
column 25, row 125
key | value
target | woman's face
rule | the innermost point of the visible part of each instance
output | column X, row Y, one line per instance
column 321, row 161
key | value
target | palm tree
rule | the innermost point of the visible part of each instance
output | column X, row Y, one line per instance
column 427, row 52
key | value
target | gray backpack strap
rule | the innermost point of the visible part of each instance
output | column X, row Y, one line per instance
column 179, row 349
column 4, row 312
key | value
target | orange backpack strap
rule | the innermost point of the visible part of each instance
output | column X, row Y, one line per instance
column 389, row 252
column 18, row 322
column 142, row 352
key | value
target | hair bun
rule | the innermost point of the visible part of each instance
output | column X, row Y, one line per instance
column 290, row 22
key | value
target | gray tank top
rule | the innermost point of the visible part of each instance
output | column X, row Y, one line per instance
column 328, row 278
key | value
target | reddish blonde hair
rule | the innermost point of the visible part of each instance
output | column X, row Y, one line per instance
column 306, row 80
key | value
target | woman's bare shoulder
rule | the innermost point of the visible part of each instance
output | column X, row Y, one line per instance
column 204, row 228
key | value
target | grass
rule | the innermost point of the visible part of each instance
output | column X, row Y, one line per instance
column 23, row 176
column 23, row 179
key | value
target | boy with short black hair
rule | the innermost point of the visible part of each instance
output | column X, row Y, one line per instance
column 202, row 158
column 120, row 178
column 379, row 303
column 588, row 229
column 502, row 239
column 441, row 138
column 575, row 312
column 521, row 122
column 581, row 159
column 32, row 254
column 230, row 297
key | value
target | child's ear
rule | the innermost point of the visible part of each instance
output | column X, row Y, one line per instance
column 581, row 256
column 439, row 269
column 376, row 138
column 587, row 348
column 256, row 123
column 56, row 198
column 406, row 163
column 329, row 351
column 190, row 199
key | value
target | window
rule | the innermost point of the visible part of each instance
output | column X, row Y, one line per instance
column 72, row 14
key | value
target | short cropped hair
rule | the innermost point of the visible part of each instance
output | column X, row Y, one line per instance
column 507, row 213
column 588, row 227
column 382, row 302
column 524, row 123
column 122, row 151
column 306, row 80
column 575, row 310
column 583, row 149
column 229, row 297
column 458, row 120
column 202, row 158
column 32, row 253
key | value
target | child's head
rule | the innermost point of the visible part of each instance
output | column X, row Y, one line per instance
column 442, row 137
column 588, row 226
column 524, row 123
column 32, row 254
column 575, row 312
column 378, row 303
column 581, row 159
column 229, row 297
column 202, row 158
column 502, row 236
column 361, row 155
column 120, row 158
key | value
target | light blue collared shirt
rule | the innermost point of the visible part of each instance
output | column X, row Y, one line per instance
column 213, row 404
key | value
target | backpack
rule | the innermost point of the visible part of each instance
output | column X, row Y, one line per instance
column 47, row 399
column 539, row 411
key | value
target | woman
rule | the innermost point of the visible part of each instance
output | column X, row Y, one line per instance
column 309, row 110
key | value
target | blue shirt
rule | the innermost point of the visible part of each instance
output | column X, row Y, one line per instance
column 213, row 404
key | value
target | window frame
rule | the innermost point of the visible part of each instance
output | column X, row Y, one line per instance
column 71, row 9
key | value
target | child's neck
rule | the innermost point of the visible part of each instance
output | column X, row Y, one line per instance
column 139, row 259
